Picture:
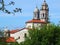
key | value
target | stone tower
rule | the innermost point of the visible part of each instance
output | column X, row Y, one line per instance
column 36, row 13
column 44, row 12
column 40, row 17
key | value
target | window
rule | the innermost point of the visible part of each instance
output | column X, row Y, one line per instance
column 18, row 38
column 25, row 35
column 29, row 26
column 43, row 14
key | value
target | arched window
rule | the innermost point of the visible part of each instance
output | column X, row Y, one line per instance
column 18, row 38
column 25, row 35
column 43, row 14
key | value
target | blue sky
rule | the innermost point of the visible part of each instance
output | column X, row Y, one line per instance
column 28, row 6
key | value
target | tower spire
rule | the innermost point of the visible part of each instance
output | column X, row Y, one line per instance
column 44, row 0
column 36, row 6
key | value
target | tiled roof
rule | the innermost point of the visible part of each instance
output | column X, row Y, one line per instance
column 35, row 21
column 13, row 31
column 17, row 30
column 10, row 39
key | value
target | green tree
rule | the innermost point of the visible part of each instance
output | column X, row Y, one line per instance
column 1, row 33
column 48, row 35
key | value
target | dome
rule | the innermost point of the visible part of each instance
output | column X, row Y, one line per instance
column 36, row 10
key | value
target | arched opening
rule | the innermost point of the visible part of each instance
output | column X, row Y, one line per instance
column 25, row 35
column 43, row 15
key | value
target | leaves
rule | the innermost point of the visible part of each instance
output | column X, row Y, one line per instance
column 4, row 9
column 7, row 11
column 48, row 35
column 12, row 3
column 17, row 10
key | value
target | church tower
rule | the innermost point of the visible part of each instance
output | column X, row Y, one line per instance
column 44, row 12
column 36, row 13
column 40, row 17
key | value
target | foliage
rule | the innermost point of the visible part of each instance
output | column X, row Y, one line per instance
column 4, row 9
column 48, row 35
column 1, row 33
column 4, row 43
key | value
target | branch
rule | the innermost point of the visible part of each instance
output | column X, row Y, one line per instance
column 4, row 9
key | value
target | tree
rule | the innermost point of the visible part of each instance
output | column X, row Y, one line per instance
column 5, row 10
column 1, row 33
column 48, row 35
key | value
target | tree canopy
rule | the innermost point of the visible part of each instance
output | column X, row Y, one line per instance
column 48, row 35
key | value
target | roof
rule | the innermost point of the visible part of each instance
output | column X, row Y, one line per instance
column 35, row 21
column 10, row 39
column 17, row 30
column 14, row 31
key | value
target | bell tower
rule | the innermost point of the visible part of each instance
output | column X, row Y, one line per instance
column 36, row 13
column 44, row 12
